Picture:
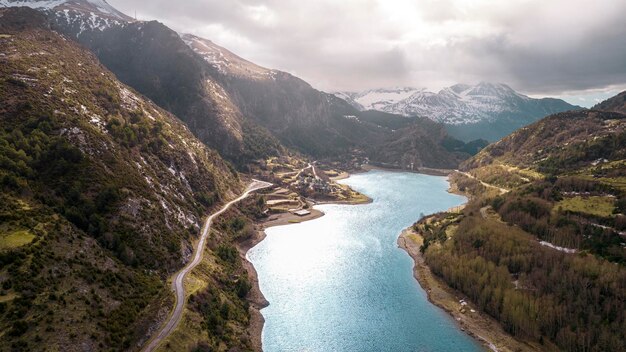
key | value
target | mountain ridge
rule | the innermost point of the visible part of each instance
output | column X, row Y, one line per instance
column 614, row 104
column 485, row 110
column 102, row 196
column 241, row 109
column 97, row 7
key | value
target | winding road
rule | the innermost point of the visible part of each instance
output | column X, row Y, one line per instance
column 179, row 278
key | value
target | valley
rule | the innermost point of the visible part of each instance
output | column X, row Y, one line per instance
column 159, row 192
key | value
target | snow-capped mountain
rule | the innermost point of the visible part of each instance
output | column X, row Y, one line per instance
column 456, row 105
column 486, row 110
column 97, row 7
column 79, row 15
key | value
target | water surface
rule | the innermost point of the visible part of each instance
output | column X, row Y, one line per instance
column 340, row 283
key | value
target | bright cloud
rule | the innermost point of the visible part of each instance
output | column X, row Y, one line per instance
column 557, row 47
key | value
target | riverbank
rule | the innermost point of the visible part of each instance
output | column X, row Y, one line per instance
column 255, row 297
column 474, row 322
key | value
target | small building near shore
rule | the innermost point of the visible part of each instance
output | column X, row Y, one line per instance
column 303, row 212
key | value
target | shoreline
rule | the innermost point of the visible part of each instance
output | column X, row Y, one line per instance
column 419, row 170
column 256, row 298
column 342, row 202
column 477, row 324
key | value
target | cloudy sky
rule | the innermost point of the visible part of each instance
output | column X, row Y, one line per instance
column 575, row 49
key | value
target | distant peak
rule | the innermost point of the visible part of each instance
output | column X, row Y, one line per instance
column 493, row 85
column 457, row 104
column 100, row 7
column 460, row 87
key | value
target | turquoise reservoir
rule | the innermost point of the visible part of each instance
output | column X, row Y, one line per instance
column 340, row 282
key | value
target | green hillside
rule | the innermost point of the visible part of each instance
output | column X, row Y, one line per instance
column 541, row 245
column 102, row 195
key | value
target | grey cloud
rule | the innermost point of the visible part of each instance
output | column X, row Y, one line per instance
column 536, row 46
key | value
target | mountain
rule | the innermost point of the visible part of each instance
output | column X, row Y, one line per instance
column 102, row 194
column 378, row 99
column 311, row 121
column 100, row 14
column 241, row 109
column 546, row 226
column 615, row 104
column 560, row 143
column 99, row 8
column 154, row 60
column 486, row 110
column 244, row 111
column 226, row 62
column 422, row 144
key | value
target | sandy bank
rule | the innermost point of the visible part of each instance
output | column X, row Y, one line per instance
column 477, row 324
column 364, row 200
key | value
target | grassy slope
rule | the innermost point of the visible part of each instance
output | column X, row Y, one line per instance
column 112, row 188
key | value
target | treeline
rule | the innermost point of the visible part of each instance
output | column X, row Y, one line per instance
column 577, row 302
column 533, row 208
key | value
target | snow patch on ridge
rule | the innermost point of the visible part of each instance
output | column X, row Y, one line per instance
column 458, row 104
column 40, row 5
column 100, row 7
column 78, row 15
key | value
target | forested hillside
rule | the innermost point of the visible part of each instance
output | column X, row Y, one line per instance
column 571, row 302
column 102, row 194
column 541, row 246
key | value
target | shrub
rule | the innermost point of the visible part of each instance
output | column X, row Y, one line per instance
column 19, row 328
